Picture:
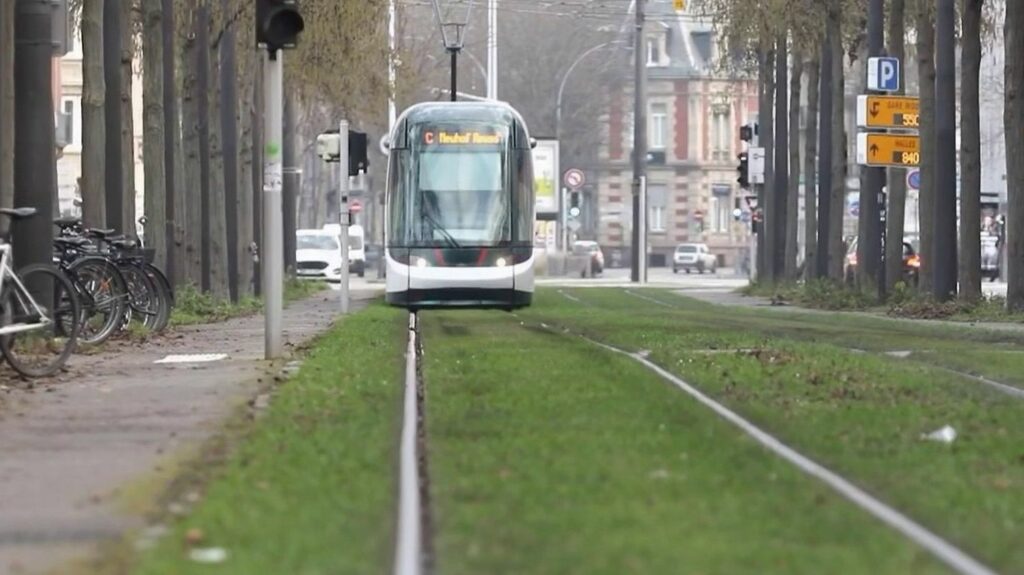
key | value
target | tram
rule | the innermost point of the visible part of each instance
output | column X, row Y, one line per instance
column 459, row 208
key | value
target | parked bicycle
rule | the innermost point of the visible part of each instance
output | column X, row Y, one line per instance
column 39, row 311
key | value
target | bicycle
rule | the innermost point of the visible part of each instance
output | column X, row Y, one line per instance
column 39, row 311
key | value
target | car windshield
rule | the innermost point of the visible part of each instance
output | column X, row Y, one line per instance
column 317, row 242
column 687, row 249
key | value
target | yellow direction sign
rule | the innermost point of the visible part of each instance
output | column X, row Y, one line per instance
column 897, row 150
column 888, row 112
column 679, row 5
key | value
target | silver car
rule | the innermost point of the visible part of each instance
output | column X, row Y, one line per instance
column 690, row 257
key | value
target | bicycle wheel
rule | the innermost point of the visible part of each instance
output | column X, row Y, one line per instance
column 103, row 294
column 145, row 300
column 166, row 296
column 43, row 350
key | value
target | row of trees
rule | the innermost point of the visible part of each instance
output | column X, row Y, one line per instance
column 202, row 120
column 810, row 42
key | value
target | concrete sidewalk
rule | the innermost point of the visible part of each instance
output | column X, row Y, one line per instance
column 64, row 454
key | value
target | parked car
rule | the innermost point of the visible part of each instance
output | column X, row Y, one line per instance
column 911, row 263
column 584, row 247
column 318, row 255
column 689, row 257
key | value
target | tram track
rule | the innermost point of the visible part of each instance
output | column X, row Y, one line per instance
column 414, row 542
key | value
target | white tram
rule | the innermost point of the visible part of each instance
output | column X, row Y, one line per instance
column 460, row 208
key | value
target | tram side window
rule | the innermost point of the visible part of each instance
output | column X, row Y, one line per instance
column 524, row 197
column 400, row 211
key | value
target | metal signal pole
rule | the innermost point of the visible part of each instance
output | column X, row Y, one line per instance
column 272, row 258
column 492, row 49
column 944, row 242
column 638, row 271
column 869, row 245
column 344, row 212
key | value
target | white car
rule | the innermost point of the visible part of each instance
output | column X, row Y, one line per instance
column 690, row 257
column 318, row 255
column 356, row 246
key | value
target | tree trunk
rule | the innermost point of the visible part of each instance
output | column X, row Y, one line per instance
column 825, row 159
column 202, row 224
column 154, row 138
column 778, row 226
column 216, row 207
column 173, row 265
column 793, row 193
column 191, row 151
column 811, row 174
column 6, row 107
column 925, row 26
column 94, row 127
column 836, row 249
column 970, row 152
column 897, row 182
column 246, row 183
column 766, row 199
column 114, row 191
column 1014, row 120
column 128, row 186
column 229, row 130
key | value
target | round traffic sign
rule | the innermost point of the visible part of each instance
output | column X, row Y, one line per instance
column 355, row 207
column 574, row 211
column 914, row 179
column 574, row 178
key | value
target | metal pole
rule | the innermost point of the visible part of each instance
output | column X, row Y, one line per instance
column 272, row 258
column 343, row 213
column 825, row 158
column 492, row 49
column 455, row 75
column 643, row 229
column 392, row 17
column 945, row 238
column 870, row 243
column 639, row 142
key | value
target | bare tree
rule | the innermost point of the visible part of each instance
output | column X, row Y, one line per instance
column 114, row 185
column 1013, row 31
column 836, row 251
column 154, row 136
column 970, row 150
column 811, row 189
column 191, row 199
column 216, row 201
column 925, row 28
column 6, row 105
column 897, row 183
column 94, row 139
column 127, row 155
column 793, row 194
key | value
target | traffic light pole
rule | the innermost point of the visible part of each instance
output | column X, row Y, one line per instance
column 343, row 213
column 273, row 223
column 638, row 271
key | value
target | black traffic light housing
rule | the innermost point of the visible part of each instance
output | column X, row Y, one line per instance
column 358, row 159
column 574, row 199
column 744, row 171
column 278, row 24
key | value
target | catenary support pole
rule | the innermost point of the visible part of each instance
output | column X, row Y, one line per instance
column 492, row 49
column 639, row 147
column 272, row 257
column 343, row 213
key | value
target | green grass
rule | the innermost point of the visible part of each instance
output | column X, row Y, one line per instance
column 193, row 306
column 860, row 414
column 310, row 489
column 550, row 455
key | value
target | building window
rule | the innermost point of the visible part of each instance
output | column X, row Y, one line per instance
column 658, row 127
column 721, row 136
column 656, row 197
column 720, row 204
column 653, row 58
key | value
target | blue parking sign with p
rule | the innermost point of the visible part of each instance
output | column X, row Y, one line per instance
column 884, row 74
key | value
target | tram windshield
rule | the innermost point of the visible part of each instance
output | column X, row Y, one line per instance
column 452, row 187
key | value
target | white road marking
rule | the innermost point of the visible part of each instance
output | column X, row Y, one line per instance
column 193, row 358
column 408, row 553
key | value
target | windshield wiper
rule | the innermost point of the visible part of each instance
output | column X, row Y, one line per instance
column 435, row 225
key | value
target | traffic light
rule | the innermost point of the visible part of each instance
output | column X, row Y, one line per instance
column 574, row 204
column 357, row 153
column 278, row 24
column 747, row 133
column 744, row 171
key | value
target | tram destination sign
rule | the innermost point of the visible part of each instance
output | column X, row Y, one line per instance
column 897, row 150
column 897, row 112
column 460, row 138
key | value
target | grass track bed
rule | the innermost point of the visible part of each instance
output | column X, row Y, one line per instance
column 549, row 455
column 310, row 490
column 861, row 415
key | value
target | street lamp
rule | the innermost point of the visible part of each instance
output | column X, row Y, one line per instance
column 558, row 126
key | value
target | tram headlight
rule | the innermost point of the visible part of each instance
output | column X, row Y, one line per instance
column 501, row 262
column 420, row 262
